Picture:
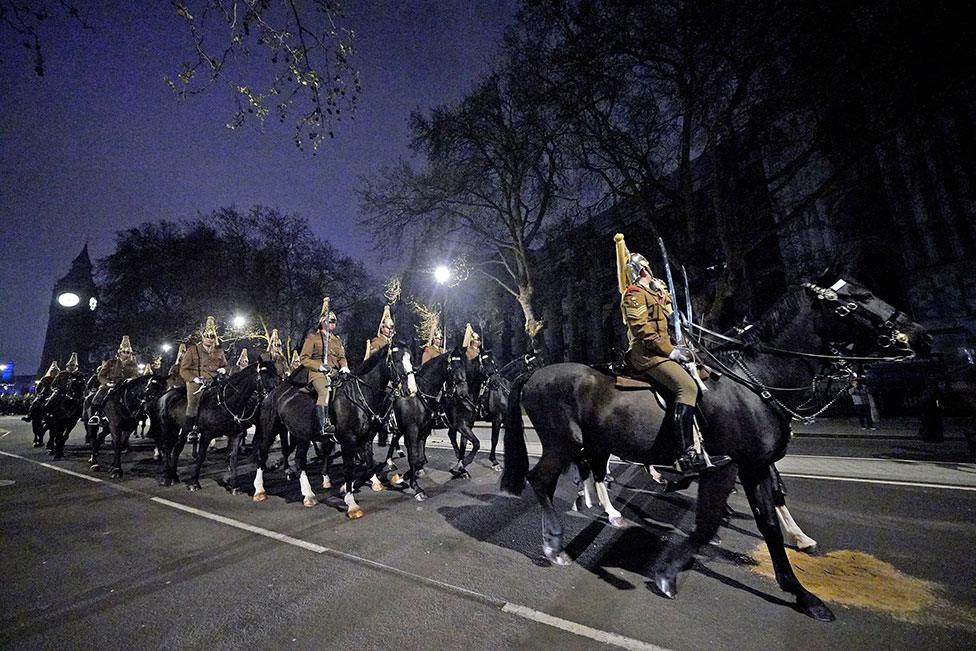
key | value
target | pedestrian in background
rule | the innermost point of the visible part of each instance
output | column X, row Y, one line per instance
column 862, row 403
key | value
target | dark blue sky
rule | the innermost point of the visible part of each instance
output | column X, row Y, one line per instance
column 100, row 143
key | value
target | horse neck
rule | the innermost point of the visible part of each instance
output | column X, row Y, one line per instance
column 788, row 325
column 374, row 383
column 433, row 375
column 243, row 385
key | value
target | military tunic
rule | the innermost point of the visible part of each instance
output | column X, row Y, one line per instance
column 280, row 363
column 198, row 362
column 313, row 357
column 376, row 343
column 646, row 313
column 430, row 352
column 115, row 370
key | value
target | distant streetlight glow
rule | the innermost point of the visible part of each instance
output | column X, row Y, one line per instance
column 3, row 367
column 239, row 321
column 442, row 274
column 166, row 348
column 68, row 299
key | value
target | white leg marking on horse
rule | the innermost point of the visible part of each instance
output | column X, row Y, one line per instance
column 588, row 489
column 615, row 516
column 793, row 536
column 258, row 481
column 306, row 485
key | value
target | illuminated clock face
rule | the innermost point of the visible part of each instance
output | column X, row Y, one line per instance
column 92, row 303
column 68, row 299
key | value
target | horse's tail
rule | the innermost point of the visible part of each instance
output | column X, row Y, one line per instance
column 516, row 454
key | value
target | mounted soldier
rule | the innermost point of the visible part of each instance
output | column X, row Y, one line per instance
column 275, row 354
column 384, row 333
column 242, row 361
column 323, row 353
column 71, row 368
column 200, row 364
column 435, row 342
column 471, row 343
column 173, row 379
column 42, row 391
column 646, row 306
column 113, row 371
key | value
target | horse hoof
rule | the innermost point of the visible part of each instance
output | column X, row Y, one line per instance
column 50, row 452
column 421, row 472
column 309, row 501
column 326, row 483
column 193, row 486
column 420, row 496
column 94, row 467
column 618, row 522
column 812, row 550
column 116, row 473
column 665, row 586
column 377, row 487
column 164, row 481
column 157, row 456
column 260, row 497
column 396, row 479
column 235, row 491
column 290, row 476
column 38, row 445
column 497, row 467
column 355, row 514
column 556, row 558
column 816, row 609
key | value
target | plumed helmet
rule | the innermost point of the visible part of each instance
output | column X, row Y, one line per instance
column 469, row 336
column 274, row 342
column 296, row 361
column 387, row 320
column 125, row 346
column 72, row 364
column 629, row 264
column 53, row 369
column 210, row 328
column 325, row 314
column 180, row 351
column 242, row 361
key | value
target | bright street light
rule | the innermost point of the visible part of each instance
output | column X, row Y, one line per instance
column 69, row 299
column 239, row 321
column 3, row 367
column 442, row 274
column 166, row 348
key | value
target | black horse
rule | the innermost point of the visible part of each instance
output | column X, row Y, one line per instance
column 124, row 406
column 228, row 407
column 461, row 410
column 415, row 415
column 356, row 407
column 61, row 410
column 581, row 417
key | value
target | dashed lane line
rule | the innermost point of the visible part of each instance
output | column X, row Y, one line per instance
column 517, row 610
column 886, row 482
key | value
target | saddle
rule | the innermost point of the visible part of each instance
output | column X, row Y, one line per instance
column 626, row 378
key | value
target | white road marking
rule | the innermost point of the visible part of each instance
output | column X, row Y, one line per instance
column 887, row 482
column 516, row 610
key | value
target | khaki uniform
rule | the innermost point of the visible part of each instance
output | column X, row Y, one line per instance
column 646, row 314
column 313, row 356
column 376, row 343
column 280, row 363
column 112, row 371
column 173, row 378
column 430, row 352
column 198, row 362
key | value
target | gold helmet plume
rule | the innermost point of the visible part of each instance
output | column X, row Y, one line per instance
column 125, row 346
column 72, row 364
column 53, row 369
column 296, row 361
column 387, row 320
column 180, row 351
column 210, row 328
column 469, row 336
column 243, row 361
column 324, row 314
column 274, row 341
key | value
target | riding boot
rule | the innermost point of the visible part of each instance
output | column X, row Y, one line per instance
column 692, row 461
column 328, row 429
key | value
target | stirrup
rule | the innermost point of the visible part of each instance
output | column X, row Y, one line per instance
column 94, row 420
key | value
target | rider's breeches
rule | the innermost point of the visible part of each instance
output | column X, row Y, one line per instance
column 321, row 384
column 193, row 392
column 675, row 379
column 98, row 401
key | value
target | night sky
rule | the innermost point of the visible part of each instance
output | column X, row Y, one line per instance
column 100, row 143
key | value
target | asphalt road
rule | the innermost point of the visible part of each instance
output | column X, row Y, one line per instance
column 126, row 564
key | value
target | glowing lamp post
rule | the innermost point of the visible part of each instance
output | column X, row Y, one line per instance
column 442, row 275
column 238, row 321
column 68, row 299
column 166, row 348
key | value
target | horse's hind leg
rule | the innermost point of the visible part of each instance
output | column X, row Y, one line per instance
column 600, row 478
column 234, row 447
column 543, row 479
column 760, row 489
column 193, row 483
column 713, row 492
column 496, row 426
column 301, row 463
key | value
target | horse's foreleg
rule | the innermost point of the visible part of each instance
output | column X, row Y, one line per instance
column 327, row 464
column 713, row 493
column 203, row 446
column 452, row 435
column 465, row 459
column 301, row 463
column 234, row 446
column 543, row 479
column 760, row 488
column 793, row 536
column 117, row 443
column 353, row 510
column 496, row 426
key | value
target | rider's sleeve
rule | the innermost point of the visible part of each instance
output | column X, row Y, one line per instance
column 187, row 364
column 103, row 373
column 307, row 354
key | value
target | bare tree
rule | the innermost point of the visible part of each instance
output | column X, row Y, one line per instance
column 494, row 176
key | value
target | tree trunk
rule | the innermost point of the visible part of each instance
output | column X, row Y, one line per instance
column 532, row 325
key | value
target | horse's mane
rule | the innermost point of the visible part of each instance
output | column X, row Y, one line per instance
column 370, row 362
column 777, row 317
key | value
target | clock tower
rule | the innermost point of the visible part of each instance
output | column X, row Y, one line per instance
column 71, row 317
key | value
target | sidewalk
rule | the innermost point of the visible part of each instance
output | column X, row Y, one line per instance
column 888, row 428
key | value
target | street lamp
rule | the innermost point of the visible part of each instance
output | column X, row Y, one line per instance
column 68, row 299
column 239, row 321
column 442, row 275
column 166, row 348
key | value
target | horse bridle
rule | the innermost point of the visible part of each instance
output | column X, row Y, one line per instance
column 889, row 335
column 222, row 396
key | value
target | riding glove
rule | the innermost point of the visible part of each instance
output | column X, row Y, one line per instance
column 682, row 354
